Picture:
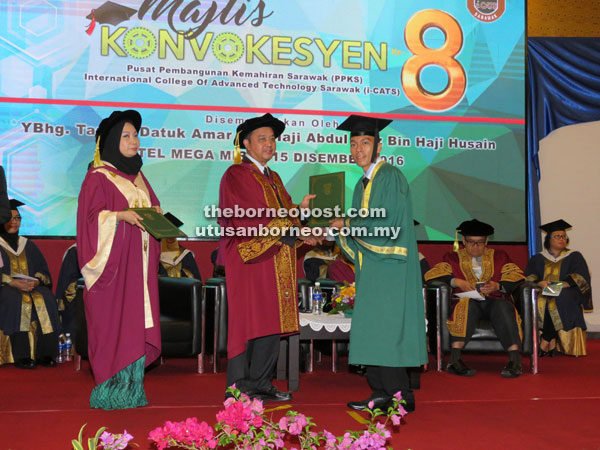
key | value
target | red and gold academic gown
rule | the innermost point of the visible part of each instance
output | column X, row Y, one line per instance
column 496, row 266
column 261, row 271
column 119, row 263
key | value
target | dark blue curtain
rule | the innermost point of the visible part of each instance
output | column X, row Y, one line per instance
column 564, row 89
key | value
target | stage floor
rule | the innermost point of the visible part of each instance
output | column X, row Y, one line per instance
column 558, row 408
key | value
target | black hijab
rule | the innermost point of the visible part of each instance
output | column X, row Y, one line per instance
column 11, row 238
column 111, row 153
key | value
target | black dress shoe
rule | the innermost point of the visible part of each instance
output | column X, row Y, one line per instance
column 271, row 394
column 46, row 361
column 382, row 402
column 542, row 353
column 512, row 370
column 459, row 368
column 25, row 363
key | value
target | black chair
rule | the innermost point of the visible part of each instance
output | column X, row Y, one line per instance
column 182, row 313
column 484, row 338
column 215, row 293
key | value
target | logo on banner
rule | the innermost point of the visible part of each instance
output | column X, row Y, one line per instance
column 486, row 10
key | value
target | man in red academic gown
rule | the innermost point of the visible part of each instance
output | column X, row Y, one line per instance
column 261, row 270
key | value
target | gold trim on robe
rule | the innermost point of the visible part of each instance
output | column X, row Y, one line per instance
column 442, row 269
column 347, row 249
column 584, row 288
column 258, row 245
column 511, row 273
column 91, row 272
column 382, row 250
column 6, row 356
column 285, row 274
column 572, row 342
column 457, row 323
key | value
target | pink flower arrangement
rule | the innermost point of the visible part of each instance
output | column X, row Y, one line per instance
column 242, row 425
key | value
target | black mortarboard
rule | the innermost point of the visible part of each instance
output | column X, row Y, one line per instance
column 557, row 225
column 117, row 116
column 14, row 204
column 111, row 13
column 174, row 220
column 250, row 125
column 365, row 126
column 475, row 228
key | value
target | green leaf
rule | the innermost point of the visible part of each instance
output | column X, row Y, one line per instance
column 76, row 445
column 91, row 443
column 99, row 432
column 81, row 434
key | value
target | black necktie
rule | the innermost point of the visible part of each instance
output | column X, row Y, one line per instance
column 365, row 181
column 266, row 171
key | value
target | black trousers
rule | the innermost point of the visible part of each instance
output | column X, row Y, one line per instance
column 500, row 313
column 386, row 381
column 253, row 369
column 47, row 345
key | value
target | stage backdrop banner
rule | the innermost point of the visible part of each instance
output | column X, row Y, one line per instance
column 451, row 75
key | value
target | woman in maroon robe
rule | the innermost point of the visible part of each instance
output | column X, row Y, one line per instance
column 118, row 261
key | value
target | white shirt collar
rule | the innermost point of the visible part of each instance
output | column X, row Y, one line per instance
column 369, row 172
column 256, row 163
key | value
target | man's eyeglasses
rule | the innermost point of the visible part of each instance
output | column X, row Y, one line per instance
column 15, row 218
column 559, row 237
column 474, row 243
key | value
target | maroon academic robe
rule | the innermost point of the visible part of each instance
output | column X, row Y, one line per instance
column 119, row 264
column 261, row 271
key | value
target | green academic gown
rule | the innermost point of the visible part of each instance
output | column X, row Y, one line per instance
column 388, row 322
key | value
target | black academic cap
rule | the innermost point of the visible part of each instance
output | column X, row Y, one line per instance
column 475, row 228
column 557, row 225
column 14, row 204
column 111, row 13
column 363, row 125
column 174, row 220
column 247, row 127
column 117, row 116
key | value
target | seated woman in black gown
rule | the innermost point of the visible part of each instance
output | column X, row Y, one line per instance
column 560, row 318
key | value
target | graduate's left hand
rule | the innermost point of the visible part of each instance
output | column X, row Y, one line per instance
column 306, row 201
column 158, row 209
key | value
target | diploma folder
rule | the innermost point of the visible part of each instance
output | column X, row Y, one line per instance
column 158, row 225
column 553, row 289
column 329, row 189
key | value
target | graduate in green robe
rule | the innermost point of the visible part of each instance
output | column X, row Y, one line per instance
column 388, row 326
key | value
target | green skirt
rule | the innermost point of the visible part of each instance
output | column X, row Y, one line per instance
column 125, row 389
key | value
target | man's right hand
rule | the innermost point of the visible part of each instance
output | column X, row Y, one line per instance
column 543, row 283
column 463, row 285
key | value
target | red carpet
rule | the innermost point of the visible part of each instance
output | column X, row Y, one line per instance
column 558, row 408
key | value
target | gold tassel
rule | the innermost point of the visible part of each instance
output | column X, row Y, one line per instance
column 237, row 153
column 97, row 160
column 456, row 246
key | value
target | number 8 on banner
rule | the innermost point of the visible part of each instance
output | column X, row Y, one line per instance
column 424, row 56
